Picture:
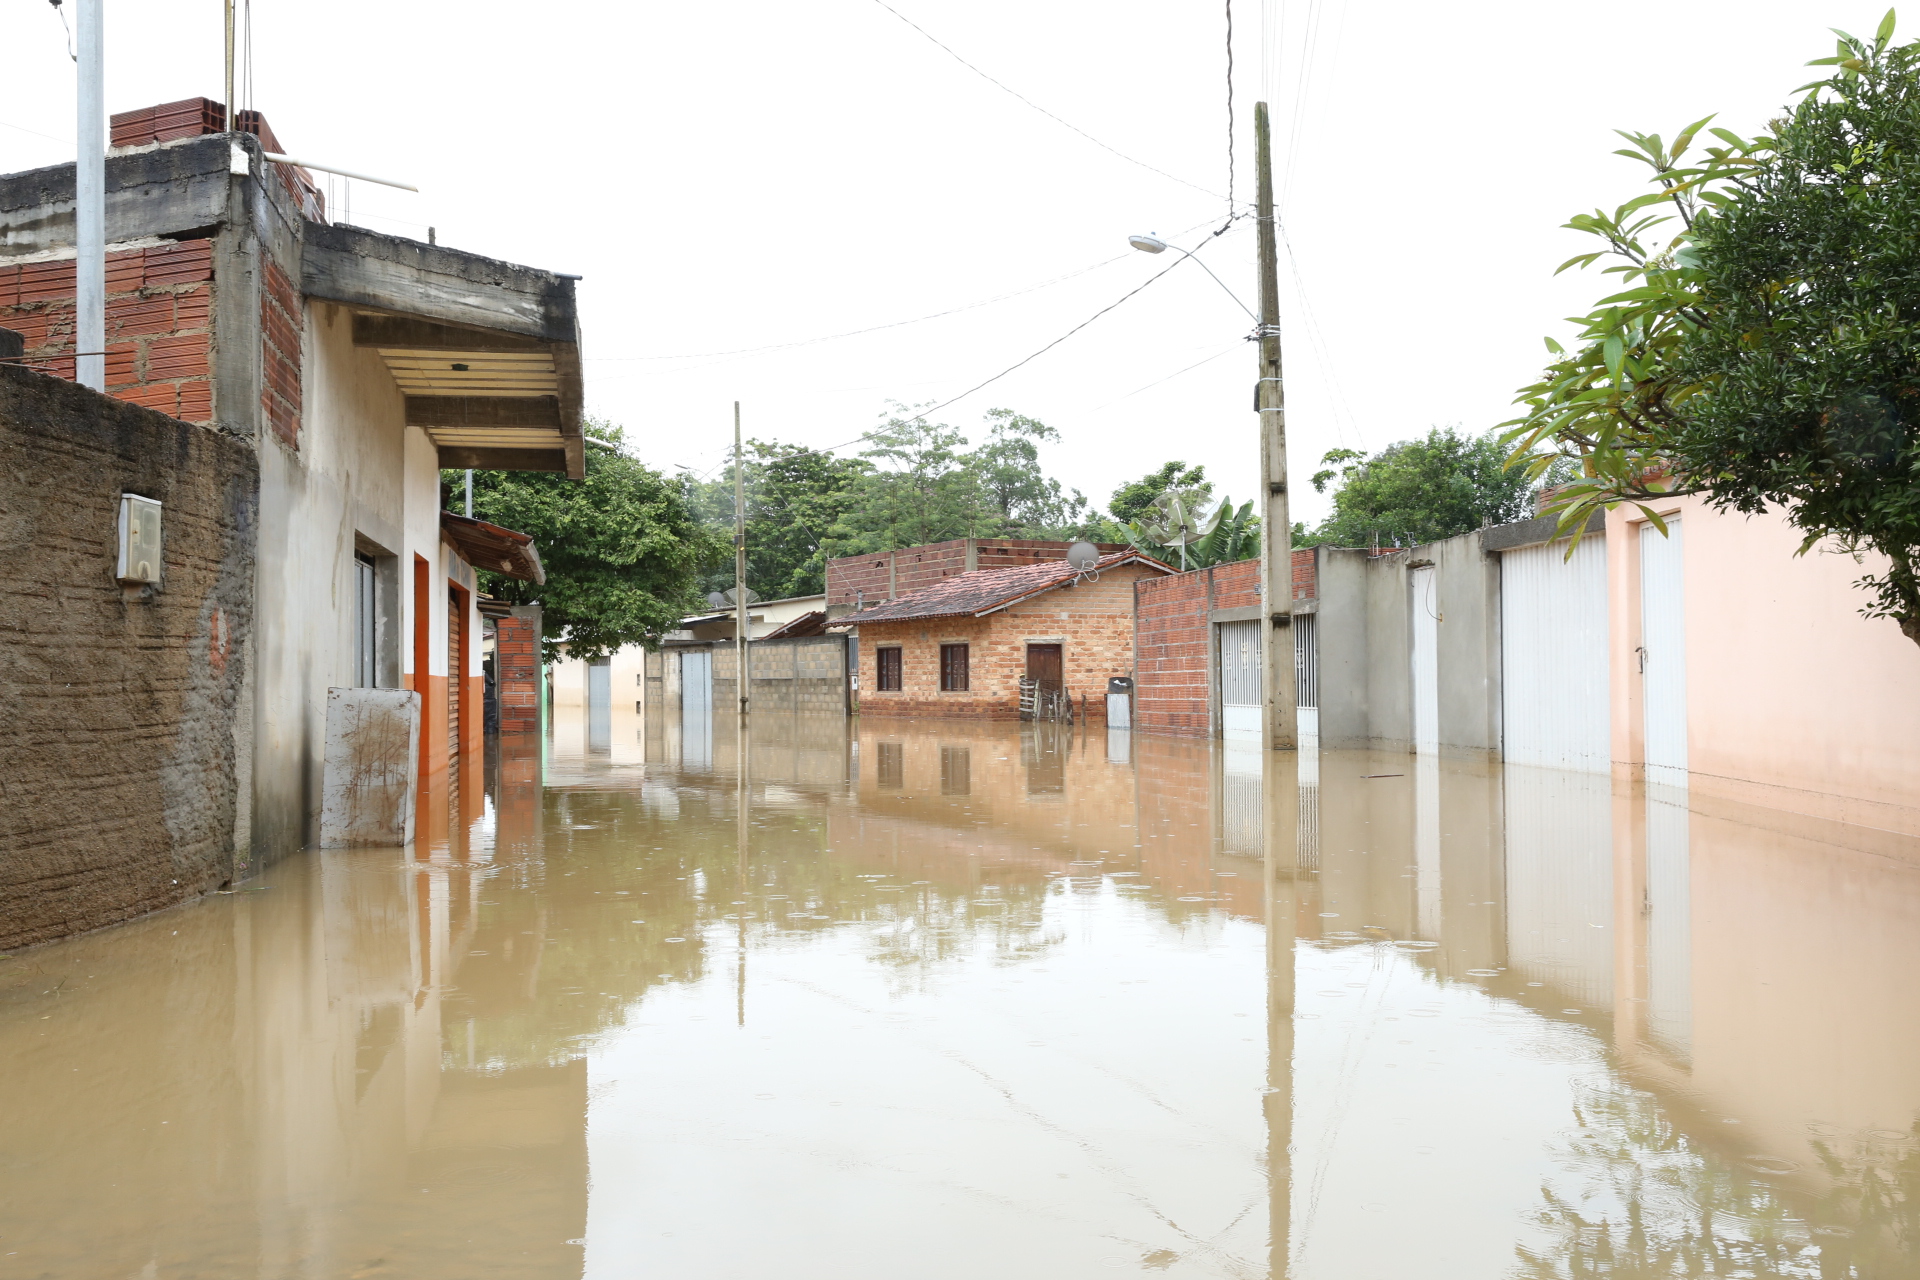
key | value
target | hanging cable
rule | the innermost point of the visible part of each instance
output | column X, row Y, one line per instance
column 1231, row 213
column 1036, row 106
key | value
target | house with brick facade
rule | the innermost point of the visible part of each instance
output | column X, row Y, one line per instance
column 354, row 366
column 961, row 645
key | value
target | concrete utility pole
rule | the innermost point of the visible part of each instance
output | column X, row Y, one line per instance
column 227, row 103
column 90, row 201
column 740, row 627
column 1279, row 695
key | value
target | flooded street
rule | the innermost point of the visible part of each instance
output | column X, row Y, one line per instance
column 946, row 999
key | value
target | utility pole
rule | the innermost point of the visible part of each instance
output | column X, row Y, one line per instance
column 469, row 493
column 227, row 104
column 90, row 201
column 1279, row 695
column 740, row 629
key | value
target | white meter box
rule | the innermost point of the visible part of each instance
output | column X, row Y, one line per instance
column 139, row 559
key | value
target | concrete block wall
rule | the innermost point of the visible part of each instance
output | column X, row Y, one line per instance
column 1173, row 666
column 806, row 673
column 126, row 744
column 159, row 324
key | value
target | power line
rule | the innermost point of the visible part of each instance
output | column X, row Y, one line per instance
column 1036, row 106
column 1169, row 378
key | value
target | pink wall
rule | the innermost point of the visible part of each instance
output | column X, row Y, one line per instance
column 1794, row 701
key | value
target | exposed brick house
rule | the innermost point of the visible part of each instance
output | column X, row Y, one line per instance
column 1191, row 628
column 355, row 366
column 856, row 581
column 959, row 647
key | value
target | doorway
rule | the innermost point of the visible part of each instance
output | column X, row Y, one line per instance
column 1663, row 653
column 1044, row 666
column 1239, row 667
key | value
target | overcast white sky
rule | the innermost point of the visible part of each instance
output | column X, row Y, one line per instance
column 740, row 175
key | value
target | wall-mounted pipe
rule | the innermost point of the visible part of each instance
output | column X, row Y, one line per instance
column 277, row 158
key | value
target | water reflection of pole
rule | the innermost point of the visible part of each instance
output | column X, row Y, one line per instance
column 745, row 756
column 1281, row 810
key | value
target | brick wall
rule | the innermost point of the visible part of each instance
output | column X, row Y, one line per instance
column 852, row 578
column 281, row 322
column 516, row 672
column 159, row 323
column 1171, row 680
column 118, row 748
column 1093, row 622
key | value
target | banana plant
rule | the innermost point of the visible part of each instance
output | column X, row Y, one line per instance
column 1178, row 529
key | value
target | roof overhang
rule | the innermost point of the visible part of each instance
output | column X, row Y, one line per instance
column 490, row 547
column 487, row 353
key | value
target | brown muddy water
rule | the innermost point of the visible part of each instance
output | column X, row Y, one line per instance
column 944, row 1000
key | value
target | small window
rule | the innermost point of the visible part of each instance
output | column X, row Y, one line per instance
column 889, row 669
column 366, row 614
column 953, row 668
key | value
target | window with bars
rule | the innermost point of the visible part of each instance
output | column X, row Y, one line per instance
column 888, row 673
column 953, row 668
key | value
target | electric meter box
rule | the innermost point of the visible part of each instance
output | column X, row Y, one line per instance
column 139, row 560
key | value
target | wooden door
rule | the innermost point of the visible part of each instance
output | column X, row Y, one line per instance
column 1044, row 665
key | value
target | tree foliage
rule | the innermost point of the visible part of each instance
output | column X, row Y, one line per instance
column 1177, row 530
column 1768, row 355
column 794, row 497
column 1132, row 499
column 1420, row 491
column 621, row 548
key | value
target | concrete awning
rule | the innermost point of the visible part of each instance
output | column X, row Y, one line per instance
column 487, row 353
column 488, row 546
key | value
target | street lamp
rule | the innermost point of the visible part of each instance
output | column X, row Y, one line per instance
column 1154, row 244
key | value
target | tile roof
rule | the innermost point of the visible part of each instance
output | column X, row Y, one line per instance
column 488, row 546
column 986, row 590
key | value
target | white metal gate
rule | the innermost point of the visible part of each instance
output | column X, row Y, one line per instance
column 1423, row 587
column 696, row 709
column 1663, row 653
column 1553, row 656
column 1240, row 678
column 600, row 704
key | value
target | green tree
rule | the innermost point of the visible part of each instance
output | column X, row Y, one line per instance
column 1030, row 503
column 1768, row 354
column 794, row 495
column 1132, row 499
column 1421, row 490
column 621, row 549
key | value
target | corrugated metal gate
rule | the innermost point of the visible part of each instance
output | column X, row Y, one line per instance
column 1240, row 678
column 1663, row 654
column 1306, row 659
column 1553, row 656
column 696, row 709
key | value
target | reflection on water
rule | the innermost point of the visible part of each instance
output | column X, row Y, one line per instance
column 951, row 1000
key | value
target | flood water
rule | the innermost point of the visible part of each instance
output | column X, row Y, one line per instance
column 951, row 1000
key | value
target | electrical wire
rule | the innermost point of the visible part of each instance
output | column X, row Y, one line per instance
column 1037, row 107
column 1169, row 378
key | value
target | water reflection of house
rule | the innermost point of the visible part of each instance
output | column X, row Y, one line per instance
column 353, row 366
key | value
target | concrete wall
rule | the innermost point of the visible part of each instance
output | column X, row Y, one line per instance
column 1794, row 701
column 806, row 673
column 1365, row 626
column 124, row 752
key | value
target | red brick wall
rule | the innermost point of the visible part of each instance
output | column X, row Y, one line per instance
column 1093, row 623
column 853, row 578
column 1171, row 692
column 159, row 323
column 281, row 322
column 516, row 659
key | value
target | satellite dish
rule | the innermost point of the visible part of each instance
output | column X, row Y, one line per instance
column 1083, row 556
column 715, row 599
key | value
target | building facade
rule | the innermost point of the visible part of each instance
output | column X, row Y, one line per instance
column 963, row 645
column 355, row 366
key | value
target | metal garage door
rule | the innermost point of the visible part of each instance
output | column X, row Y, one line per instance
column 1240, row 679
column 1424, row 606
column 1663, row 654
column 1553, row 666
